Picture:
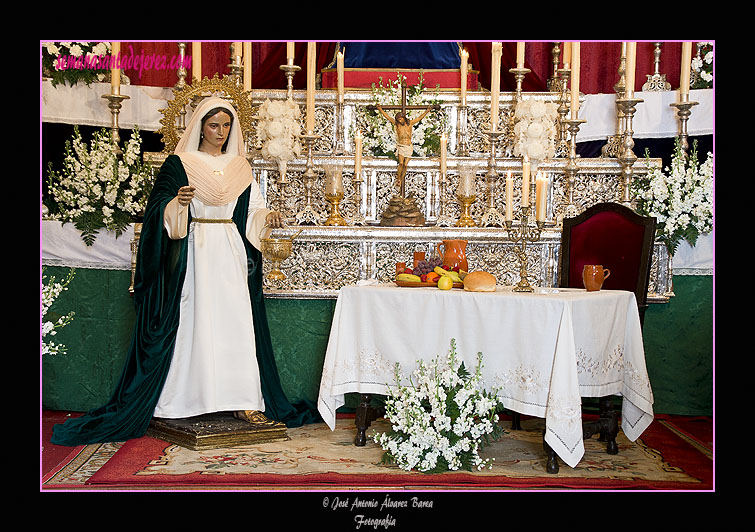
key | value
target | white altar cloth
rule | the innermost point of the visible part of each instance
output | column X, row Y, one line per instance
column 543, row 351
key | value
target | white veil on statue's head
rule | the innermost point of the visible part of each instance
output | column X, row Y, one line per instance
column 190, row 139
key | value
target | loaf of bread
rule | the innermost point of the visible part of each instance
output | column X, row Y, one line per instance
column 479, row 282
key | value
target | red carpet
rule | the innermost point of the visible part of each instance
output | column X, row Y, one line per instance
column 680, row 447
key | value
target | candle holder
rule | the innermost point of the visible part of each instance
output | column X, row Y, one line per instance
column 572, row 168
column 656, row 81
column 462, row 139
column 290, row 71
column 358, row 218
column 114, row 104
column 307, row 215
column 443, row 219
column 627, row 158
column 683, row 111
column 520, row 236
column 181, row 72
column 519, row 74
column 335, row 218
column 563, row 111
column 466, row 220
column 492, row 217
column 339, row 148
column 334, row 193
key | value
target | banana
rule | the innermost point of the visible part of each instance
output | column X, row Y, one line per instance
column 408, row 277
column 440, row 271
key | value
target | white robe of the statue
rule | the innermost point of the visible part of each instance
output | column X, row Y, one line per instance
column 214, row 365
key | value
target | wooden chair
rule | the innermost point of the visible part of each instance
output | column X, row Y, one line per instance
column 621, row 240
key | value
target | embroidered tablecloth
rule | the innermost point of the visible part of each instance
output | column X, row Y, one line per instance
column 542, row 351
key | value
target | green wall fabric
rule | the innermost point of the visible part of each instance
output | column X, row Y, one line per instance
column 678, row 339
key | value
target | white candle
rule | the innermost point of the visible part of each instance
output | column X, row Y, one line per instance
column 495, row 85
column 247, row 66
column 520, row 55
column 567, row 55
column 115, row 72
column 311, row 71
column 464, row 69
column 196, row 60
column 357, row 154
column 630, row 69
column 526, row 182
column 685, row 73
column 541, row 196
column 509, row 197
column 289, row 53
column 339, row 65
column 443, row 145
column 574, row 80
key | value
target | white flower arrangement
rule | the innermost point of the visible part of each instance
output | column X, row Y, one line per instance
column 535, row 130
column 681, row 199
column 278, row 130
column 96, row 188
column 377, row 132
column 441, row 421
column 66, row 61
column 50, row 292
column 702, row 64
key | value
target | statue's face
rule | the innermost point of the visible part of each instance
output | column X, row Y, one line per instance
column 401, row 118
column 216, row 130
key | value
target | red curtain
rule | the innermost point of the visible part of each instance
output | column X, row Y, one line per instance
column 598, row 72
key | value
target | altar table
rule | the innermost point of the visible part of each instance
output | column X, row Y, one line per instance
column 542, row 351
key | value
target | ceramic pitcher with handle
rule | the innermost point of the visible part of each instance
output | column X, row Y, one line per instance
column 453, row 253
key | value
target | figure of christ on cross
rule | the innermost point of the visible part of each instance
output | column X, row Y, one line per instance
column 403, row 127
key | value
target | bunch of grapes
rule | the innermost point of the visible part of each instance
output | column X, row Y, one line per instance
column 427, row 265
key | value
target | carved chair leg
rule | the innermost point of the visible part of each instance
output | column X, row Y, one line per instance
column 362, row 419
column 551, row 465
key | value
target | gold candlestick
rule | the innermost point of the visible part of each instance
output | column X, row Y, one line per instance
column 520, row 236
column 335, row 218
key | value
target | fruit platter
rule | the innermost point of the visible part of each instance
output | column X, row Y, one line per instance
column 429, row 273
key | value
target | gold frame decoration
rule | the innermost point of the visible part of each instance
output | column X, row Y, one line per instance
column 174, row 116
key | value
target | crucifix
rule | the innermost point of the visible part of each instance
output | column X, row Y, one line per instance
column 402, row 210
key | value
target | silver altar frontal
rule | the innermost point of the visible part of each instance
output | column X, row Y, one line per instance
column 325, row 258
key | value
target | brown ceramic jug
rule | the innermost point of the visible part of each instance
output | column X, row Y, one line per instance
column 593, row 276
column 453, row 254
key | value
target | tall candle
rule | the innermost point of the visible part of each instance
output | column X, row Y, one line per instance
column 520, row 55
column 574, row 80
column 289, row 53
column 526, row 182
column 567, row 55
column 509, row 197
column 339, row 66
column 541, row 196
column 685, row 73
column 443, row 144
column 357, row 154
column 464, row 69
column 196, row 60
column 311, row 71
column 247, row 66
column 495, row 85
column 630, row 69
column 115, row 72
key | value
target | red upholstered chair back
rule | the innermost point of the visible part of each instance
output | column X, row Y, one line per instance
column 614, row 236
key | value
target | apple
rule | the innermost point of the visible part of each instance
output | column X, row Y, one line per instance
column 445, row 282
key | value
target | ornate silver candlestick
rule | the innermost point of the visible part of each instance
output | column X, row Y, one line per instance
column 562, row 146
column 520, row 236
column 307, row 215
column 627, row 158
column 656, row 81
column 519, row 74
column 290, row 71
column 114, row 104
column 683, row 111
column 462, row 140
column 572, row 168
column 443, row 219
column 358, row 218
column 492, row 217
column 339, row 148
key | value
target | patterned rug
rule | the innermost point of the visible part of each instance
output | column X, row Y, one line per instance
column 317, row 458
